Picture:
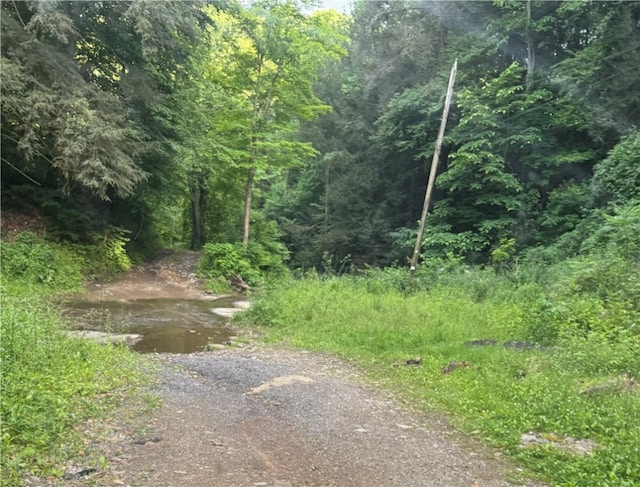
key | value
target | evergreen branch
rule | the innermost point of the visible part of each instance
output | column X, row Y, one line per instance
column 22, row 173
column 35, row 151
column 15, row 7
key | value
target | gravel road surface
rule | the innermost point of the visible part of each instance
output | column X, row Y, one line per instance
column 259, row 416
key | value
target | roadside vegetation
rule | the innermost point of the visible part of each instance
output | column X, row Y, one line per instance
column 50, row 384
column 549, row 350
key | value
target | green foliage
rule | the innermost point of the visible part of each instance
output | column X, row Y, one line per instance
column 29, row 260
column 218, row 285
column 597, row 293
column 505, row 391
column 87, row 123
column 529, row 122
column 616, row 179
column 150, row 116
column 226, row 260
column 32, row 261
column 502, row 254
column 107, row 255
column 70, row 218
column 619, row 234
column 261, row 85
column 50, row 383
column 51, row 115
column 567, row 207
column 439, row 240
column 598, row 69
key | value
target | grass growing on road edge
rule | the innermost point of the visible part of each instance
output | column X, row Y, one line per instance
column 49, row 383
column 503, row 392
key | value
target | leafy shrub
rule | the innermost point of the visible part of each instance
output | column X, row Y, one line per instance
column 31, row 260
column 590, row 296
column 441, row 240
column 618, row 235
column 566, row 209
column 268, row 258
column 617, row 178
column 218, row 285
column 504, row 252
column 254, row 265
column 107, row 254
column 226, row 260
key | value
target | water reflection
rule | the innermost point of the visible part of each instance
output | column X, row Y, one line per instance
column 167, row 325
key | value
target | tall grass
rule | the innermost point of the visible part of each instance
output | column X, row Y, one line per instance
column 497, row 392
column 49, row 383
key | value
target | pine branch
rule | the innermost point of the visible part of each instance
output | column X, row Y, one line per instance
column 19, row 171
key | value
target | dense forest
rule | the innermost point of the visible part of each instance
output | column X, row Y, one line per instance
column 177, row 124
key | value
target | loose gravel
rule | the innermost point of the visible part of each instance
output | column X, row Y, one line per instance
column 260, row 416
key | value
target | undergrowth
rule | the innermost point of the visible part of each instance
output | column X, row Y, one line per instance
column 221, row 262
column 557, row 355
column 49, row 383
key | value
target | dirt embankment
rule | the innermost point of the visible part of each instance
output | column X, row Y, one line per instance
column 170, row 275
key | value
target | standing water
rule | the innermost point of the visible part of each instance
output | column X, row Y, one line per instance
column 166, row 325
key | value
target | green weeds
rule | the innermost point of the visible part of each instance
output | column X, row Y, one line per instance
column 570, row 367
column 223, row 261
column 49, row 383
column 28, row 260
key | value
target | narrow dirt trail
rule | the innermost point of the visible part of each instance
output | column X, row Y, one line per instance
column 263, row 416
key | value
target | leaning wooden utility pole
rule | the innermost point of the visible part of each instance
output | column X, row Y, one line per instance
column 432, row 173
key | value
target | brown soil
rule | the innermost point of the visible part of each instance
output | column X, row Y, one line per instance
column 171, row 275
column 13, row 222
column 270, row 416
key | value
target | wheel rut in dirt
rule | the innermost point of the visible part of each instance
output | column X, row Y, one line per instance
column 273, row 417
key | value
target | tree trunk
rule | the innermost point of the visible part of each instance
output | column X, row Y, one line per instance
column 432, row 173
column 197, row 197
column 531, row 54
column 247, row 206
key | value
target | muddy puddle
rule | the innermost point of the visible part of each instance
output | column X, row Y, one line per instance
column 166, row 325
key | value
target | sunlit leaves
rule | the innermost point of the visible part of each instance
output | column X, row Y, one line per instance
column 617, row 178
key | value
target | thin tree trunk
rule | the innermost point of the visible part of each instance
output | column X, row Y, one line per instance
column 247, row 207
column 432, row 173
column 531, row 54
column 260, row 115
column 197, row 196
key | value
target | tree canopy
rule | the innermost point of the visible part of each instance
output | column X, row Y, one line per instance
column 192, row 122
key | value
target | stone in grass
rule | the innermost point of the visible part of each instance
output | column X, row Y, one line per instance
column 485, row 342
column 455, row 364
column 104, row 338
column 623, row 383
column 568, row 444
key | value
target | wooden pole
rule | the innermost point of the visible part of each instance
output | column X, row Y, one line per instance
column 432, row 173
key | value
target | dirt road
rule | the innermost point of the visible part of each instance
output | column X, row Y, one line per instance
column 275, row 417
column 261, row 416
